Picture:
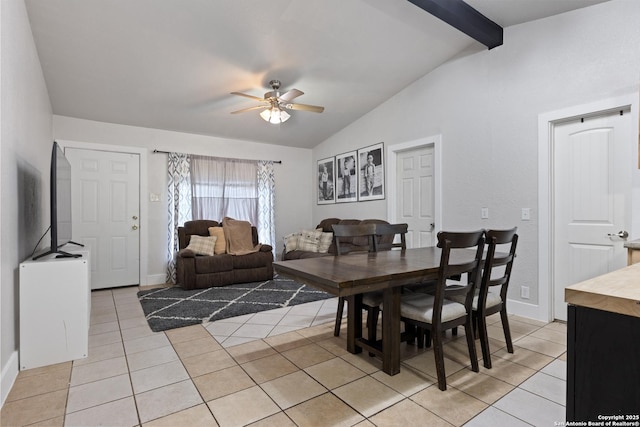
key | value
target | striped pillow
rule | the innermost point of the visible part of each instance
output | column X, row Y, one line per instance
column 291, row 242
column 309, row 240
column 325, row 242
column 201, row 245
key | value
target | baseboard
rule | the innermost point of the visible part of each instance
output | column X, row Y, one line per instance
column 519, row 308
column 156, row 279
column 8, row 376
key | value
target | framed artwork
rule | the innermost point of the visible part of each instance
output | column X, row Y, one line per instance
column 371, row 172
column 346, row 178
column 326, row 181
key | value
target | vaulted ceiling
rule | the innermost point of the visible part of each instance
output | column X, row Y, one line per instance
column 171, row 64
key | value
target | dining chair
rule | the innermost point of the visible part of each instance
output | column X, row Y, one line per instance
column 487, row 303
column 385, row 235
column 344, row 235
column 433, row 313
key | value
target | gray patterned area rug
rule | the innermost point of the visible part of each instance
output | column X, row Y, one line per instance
column 169, row 308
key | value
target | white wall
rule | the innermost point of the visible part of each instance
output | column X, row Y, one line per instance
column 291, row 215
column 486, row 106
column 25, row 150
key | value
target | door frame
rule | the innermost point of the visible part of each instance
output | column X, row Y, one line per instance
column 546, row 130
column 434, row 141
column 143, row 203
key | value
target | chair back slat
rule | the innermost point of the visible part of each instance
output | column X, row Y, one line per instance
column 496, row 238
column 344, row 233
column 449, row 241
column 385, row 236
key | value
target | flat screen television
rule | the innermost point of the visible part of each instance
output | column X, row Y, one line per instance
column 60, row 204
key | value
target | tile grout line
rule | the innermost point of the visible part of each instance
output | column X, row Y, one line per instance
column 299, row 369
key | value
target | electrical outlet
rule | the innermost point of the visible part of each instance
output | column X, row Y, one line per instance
column 524, row 292
column 154, row 197
column 484, row 213
column 526, row 214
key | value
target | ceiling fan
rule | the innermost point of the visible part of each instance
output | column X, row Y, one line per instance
column 275, row 103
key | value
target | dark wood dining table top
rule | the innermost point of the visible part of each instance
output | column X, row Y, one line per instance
column 363, row 272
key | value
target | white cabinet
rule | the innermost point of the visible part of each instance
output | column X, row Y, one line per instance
column 55, row 306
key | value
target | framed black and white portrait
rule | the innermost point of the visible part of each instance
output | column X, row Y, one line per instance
column 346, row 178
column 326, row 181
column 371, row 172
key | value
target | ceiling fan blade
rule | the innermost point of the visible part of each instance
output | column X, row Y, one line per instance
column 305, row 107
column 288, row 96
column 256, row 98
column 257, row 107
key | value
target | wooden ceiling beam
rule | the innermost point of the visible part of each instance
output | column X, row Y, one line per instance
column 465, row 18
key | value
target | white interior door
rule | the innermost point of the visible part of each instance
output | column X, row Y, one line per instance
column 592, row 195
column 105, row 213
column 415, row 190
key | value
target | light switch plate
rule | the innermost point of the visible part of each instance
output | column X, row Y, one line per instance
column 526, row 214
column 484, row 213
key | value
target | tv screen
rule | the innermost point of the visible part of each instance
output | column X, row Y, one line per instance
column 61, row 200
column 60, row 187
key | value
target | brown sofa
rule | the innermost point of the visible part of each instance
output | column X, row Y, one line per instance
column 197, row 271
column 357, row 244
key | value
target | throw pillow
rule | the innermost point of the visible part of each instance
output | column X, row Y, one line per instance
column 309, row 240
column 202, row 245
column 291, row 242
column 221, row 244
column 325, row 242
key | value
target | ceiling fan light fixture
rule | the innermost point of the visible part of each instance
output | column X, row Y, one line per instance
column 275, row 115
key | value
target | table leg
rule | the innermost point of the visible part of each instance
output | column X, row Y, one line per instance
column 391, row 330
column 354, row 322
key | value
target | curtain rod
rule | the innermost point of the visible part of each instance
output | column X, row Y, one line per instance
column 168, row 152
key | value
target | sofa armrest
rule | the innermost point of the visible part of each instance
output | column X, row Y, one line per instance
column 186, row 253
column 266, row 248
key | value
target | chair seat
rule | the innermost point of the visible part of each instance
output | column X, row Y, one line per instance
column 493, row 300
column 372, row 299
column 419, row 307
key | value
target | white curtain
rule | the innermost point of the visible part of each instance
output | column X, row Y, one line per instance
column 179, row 204
column 224, row 187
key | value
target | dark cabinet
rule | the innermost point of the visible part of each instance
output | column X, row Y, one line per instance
column 603, row 365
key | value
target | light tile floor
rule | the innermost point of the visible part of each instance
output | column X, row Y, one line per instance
column 284, row 368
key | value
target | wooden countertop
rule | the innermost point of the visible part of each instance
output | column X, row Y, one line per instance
column 632, row 244
column 616, row 292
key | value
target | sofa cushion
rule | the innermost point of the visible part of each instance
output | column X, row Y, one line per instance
column 201, row 245
column 250, row 261
column 197, row 226
column 303, row 254
column 326, row 224
column 221, row 243
column 213, row 264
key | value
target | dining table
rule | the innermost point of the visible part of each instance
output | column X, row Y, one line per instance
column 352, row 275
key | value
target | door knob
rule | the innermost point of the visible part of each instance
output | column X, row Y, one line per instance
column 135, row 227
column 134, row 217
column 621, row 234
